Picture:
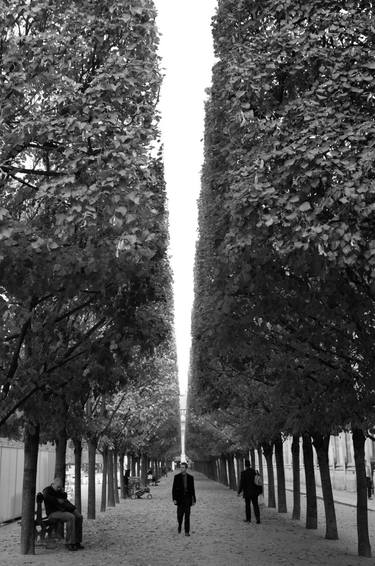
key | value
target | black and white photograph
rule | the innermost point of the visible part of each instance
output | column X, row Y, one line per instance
column 187, row 282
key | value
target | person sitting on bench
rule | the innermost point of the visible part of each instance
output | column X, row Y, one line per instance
column 58, row 507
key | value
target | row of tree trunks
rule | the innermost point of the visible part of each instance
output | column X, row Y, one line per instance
column 223, row 470
column 110, row 492
column 321, row 445
column 227, row 476
column 208, row 468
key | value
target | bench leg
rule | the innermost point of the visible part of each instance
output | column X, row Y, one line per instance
column 40, row 535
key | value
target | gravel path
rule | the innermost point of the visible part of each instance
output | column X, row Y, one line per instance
column 144, row 533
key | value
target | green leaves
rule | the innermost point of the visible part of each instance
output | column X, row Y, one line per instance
column 83, row 235
column 286, row 218
column 304, row 207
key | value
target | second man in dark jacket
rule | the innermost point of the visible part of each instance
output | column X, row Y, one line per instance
column 250, row 492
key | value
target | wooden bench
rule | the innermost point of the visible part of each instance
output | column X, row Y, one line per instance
column 43, row 526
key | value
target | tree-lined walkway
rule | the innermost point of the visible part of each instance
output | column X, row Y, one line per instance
column 144, row 533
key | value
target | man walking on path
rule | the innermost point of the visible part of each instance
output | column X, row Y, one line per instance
column 250, row 492
column 183, row 495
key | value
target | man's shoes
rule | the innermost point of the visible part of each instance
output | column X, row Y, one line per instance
column 187, row 534
column 179, row 528
column 79, row 546
column 258, row 521
column 246, row 521
column 71, row 547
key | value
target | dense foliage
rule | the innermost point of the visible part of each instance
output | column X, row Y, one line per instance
column 283, row 269
column 85, row 284
column 84, row 268
column 284, row 307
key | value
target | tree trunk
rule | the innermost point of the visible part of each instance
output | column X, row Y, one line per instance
column 260, row 462
column 61, row 442
column 163, row 467
column 111, row 487
column 154, row 467
column 308, row 464
column 239, row 461
column 364, row 547
column 144, row 468
column 135, row 465
column 267, row 451
column 221, row 470
column 217, row 470
column 225, row 471
column 103, row 504
column 60, row 467
column 122, row 473
column 281, row 493
column 157, row 469
column 296, row 479
column 77, row 473
column 115, row 476
column 133, row 470
column 321, row 444
column 91, row 500
column 31, row 447
column 232, row 473
column 252, row 457
column 229, row 468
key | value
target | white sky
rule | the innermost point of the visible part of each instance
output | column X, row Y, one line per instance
column 186, row 49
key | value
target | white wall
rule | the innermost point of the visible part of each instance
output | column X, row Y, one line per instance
column 11, row 476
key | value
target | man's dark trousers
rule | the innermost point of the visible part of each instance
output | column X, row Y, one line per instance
column 183, row 509
column 254, row 500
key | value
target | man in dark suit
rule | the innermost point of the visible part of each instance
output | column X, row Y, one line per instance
column 183, row 495
column 250, row 492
